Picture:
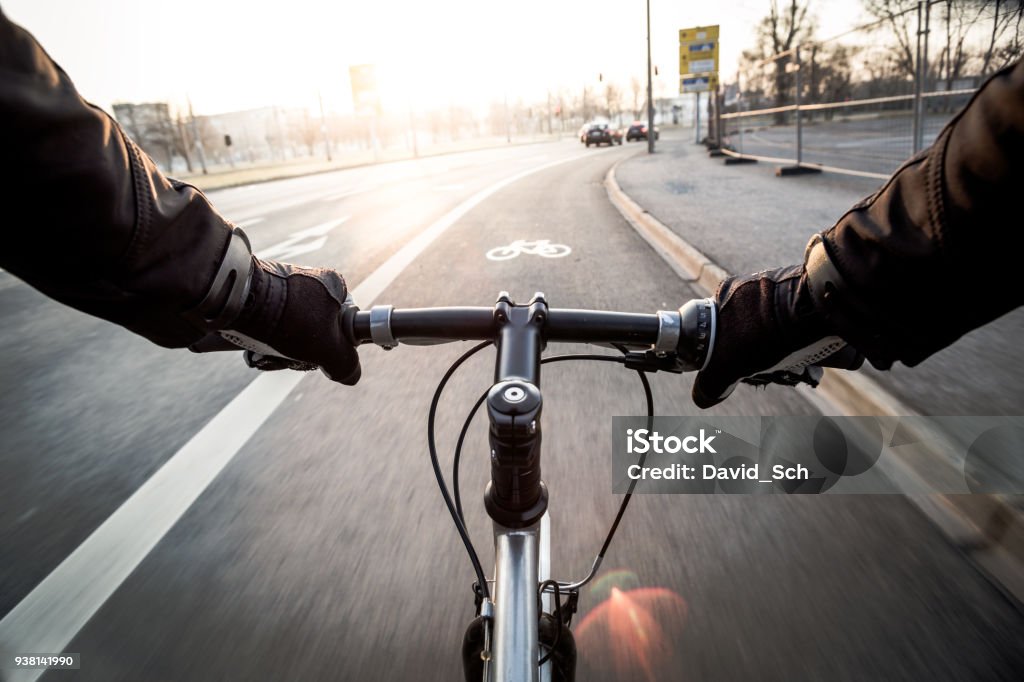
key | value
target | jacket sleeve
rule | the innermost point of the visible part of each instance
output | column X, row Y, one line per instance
column 90, row 220
column 936, row 252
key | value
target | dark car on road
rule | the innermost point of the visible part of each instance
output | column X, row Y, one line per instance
column 638, row 131
column 601, row 133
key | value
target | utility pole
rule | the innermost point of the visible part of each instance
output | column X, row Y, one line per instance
column 650, row 102
column 195, row 135
column 508, row 124
column 323, row 126
column 549, row 113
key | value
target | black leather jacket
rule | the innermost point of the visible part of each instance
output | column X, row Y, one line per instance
column 935, row 252
column 88, row 218
column 92, row 222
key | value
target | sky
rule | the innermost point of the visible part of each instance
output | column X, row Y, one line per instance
column 227, row 55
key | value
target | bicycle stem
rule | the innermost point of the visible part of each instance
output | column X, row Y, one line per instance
column 516, row 497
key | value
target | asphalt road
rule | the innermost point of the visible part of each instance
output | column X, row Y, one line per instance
column 323, row 551
column 866, row 144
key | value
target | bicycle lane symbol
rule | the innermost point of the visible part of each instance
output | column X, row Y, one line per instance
column 541, row 247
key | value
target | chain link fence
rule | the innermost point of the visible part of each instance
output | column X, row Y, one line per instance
column 862, row 102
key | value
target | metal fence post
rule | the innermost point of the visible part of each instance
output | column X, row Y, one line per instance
column 719, row 101
column 696, row 123
column 799, row 122
column 924, row 74
column 712, row 105
column 918, row 78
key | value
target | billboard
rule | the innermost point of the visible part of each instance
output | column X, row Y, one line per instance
column 365, row 98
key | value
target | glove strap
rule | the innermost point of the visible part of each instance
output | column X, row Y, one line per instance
column 226, row 296
column 832, row 298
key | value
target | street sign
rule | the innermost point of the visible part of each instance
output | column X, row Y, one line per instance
column 698, row 83
column 697, row 34
column 698, row 59
column 690, row 65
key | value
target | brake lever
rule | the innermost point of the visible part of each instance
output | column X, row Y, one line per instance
column 847, row 358
column 654, row 361
column 810, row 375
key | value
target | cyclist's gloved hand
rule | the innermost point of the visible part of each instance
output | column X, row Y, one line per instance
column 292, row 319
column 768, row 330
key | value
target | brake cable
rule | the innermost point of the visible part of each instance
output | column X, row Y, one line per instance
column 457, row 518
column 455, row 508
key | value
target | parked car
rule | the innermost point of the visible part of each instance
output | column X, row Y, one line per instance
column 601, row 133
column 638, row 131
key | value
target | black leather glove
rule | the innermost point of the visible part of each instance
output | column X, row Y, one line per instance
column 768, row 331
column 290, row 318
column 295, row 313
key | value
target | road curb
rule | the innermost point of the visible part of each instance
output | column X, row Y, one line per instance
column 988, row 529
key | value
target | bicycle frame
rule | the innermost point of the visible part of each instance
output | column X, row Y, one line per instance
column 515, row 644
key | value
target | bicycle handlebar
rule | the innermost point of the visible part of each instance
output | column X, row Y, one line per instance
column 687, row 333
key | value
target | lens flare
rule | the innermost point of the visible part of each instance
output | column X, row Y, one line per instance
column 601, row 588
column 634, row 634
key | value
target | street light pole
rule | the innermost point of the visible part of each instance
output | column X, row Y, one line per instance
column 650, row 101
column 323, row 126
column 195, row 136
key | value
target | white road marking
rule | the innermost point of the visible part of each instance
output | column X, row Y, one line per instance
column 342, row 195
column 449, row 188
column 50, row 616
column 541, row 247
column 249, row 222
column 297, row 243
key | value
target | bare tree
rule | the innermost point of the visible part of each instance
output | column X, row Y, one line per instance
column 829, row 74
column 1003, row 55
column 637, row 88
column 613, row 99
column 784, row 28
column 150, row 126
column 1006, row 15
column 899, row 17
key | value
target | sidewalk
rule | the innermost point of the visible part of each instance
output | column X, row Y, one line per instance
column 745, row 219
